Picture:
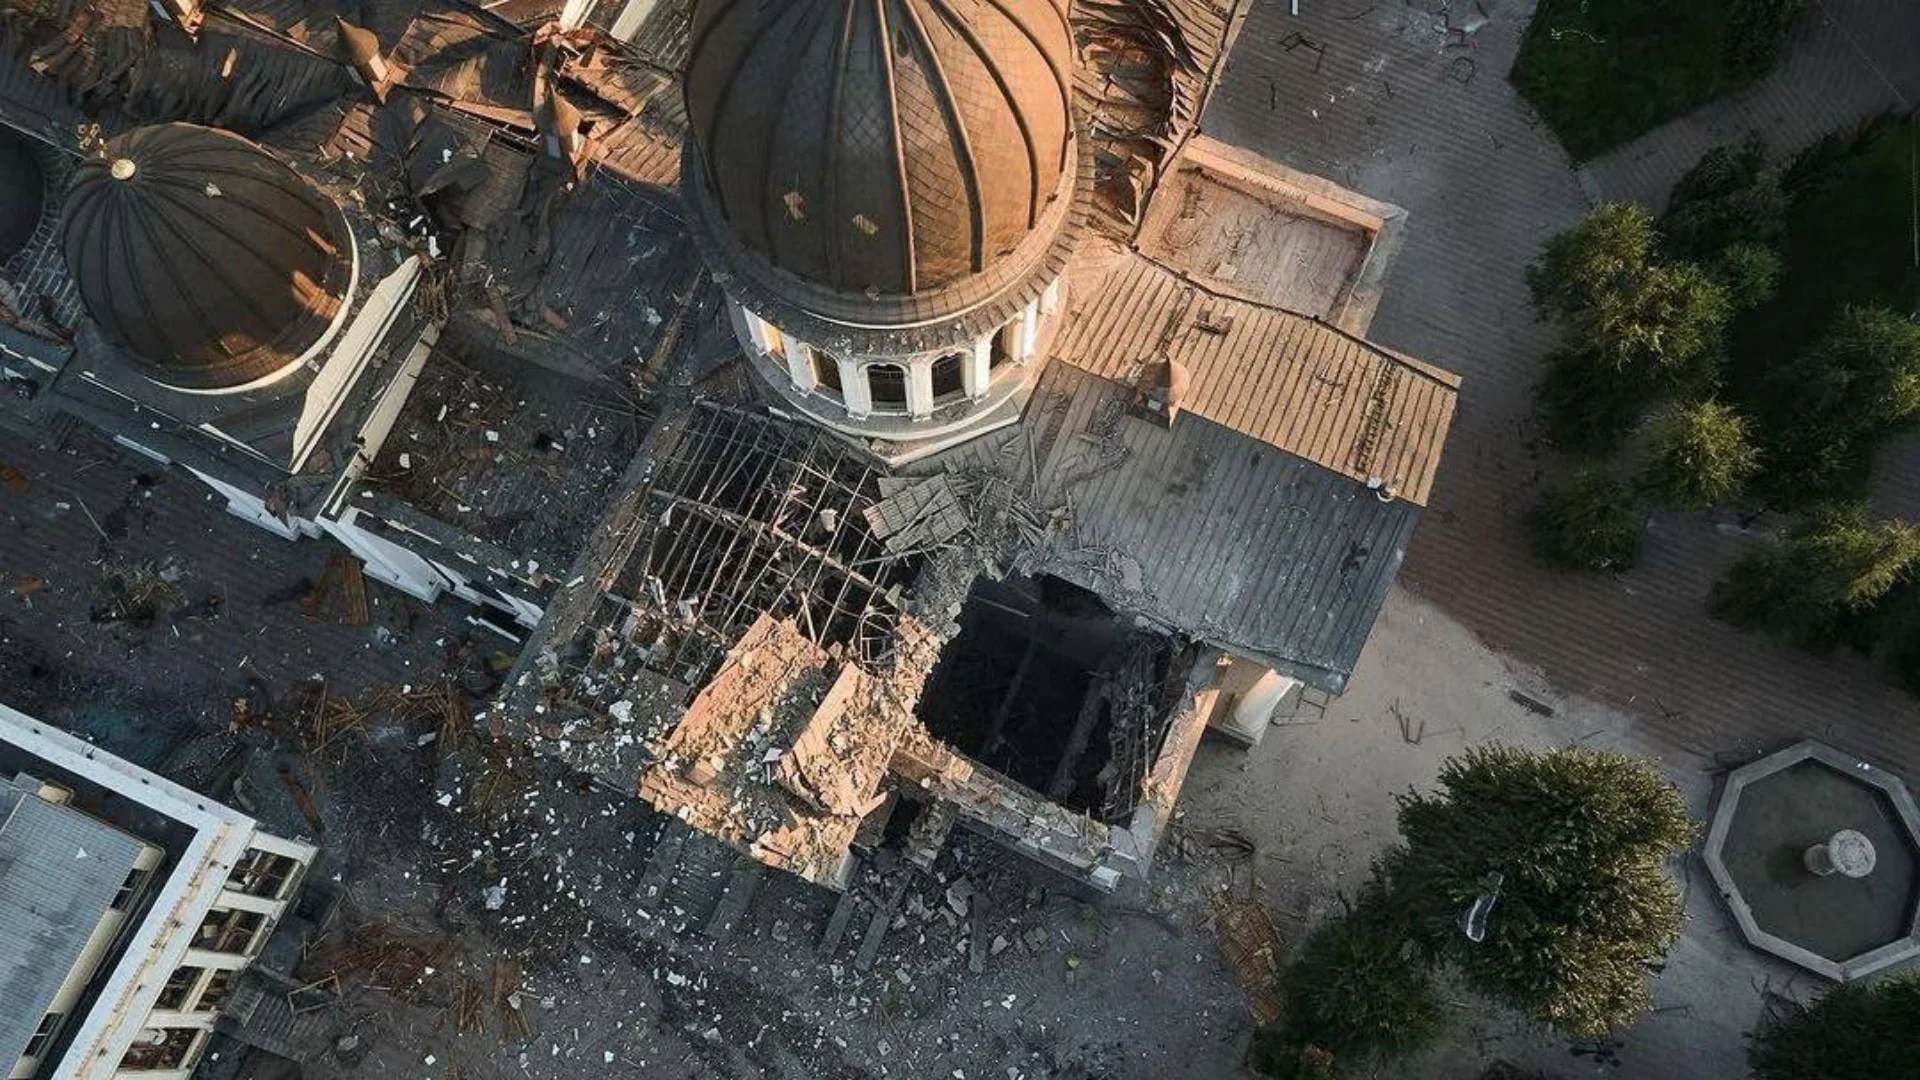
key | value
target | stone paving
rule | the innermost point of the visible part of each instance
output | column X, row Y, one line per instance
column 1381, row 98
column 233, row 618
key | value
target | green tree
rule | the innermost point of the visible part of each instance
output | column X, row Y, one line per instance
column 1578, row 841
column 1729, row 197
column 1358, row 988
column 1698, row 455
column 1750, row 273
column 1856, row 1031
column 1830, row 405
column 1823, row 585
column 1587, row 522
column 1757, row 32
column 1632, row 328
column 1585, row 408
column 1597, row 258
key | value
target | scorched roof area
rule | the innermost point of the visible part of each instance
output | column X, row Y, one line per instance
column 746, row 516
column 527, row 462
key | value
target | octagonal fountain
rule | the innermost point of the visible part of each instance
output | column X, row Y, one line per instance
column 1817, row 855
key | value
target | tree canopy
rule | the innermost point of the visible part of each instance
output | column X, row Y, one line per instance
column 1698, row 455
column 1587, row 522
column 1633, row 328
column 1822, row 585
column 1856, row 1031
column 1579, row 840
column 1835, row 400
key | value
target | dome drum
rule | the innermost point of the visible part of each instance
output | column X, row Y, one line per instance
column 911, row 397
column 889, row 191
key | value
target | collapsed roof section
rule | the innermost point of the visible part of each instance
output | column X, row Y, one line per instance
column 1148, row 66
column 785, row 750
column 750, row 648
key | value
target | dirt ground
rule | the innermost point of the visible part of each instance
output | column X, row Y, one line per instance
column 1318, row 794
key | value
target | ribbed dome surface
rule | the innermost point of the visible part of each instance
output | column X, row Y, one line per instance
column 21, row 193
column 210, row 261
column 884, row 147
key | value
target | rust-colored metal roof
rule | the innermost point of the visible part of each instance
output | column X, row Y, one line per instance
column 889, row 147
column 1288, row 380
column 206, row 258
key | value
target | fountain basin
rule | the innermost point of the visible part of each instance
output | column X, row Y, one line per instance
column 1770, row 813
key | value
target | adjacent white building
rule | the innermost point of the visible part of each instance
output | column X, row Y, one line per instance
column 129, row 907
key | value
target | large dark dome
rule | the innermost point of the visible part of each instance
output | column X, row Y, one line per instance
column 885, row 148
column 208, row 260
column 22, row 193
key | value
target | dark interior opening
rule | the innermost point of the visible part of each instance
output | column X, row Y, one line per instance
column 1047, row 685
column 1003, row 345
column 22, row 188
column 888, row 383
column 947, row 381
column 826, row 370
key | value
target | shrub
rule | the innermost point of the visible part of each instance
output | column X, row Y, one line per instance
column 1358, row 988
column 1822, row 586
column 1729, row 197
column 1750, row 273
column 1834, row 401
column 1856, row 1031
column 1699, row 456
column 1587, row 523
column 1585, row 908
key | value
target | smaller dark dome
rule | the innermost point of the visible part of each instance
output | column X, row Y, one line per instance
column 22, row 192
column 207, row 259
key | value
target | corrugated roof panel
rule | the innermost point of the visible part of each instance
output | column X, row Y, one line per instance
column 1204, row 528
column 59, row 872
column 1291, row 381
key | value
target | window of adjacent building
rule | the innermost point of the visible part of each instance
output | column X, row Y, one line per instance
column 826, row 370
column 230, row 931
column 888, row 385
column 179, row 985
column 42, row 1035
column 262, row 873
column 161, row 1049
column 947, row 380
column 129, row 889
column 219, row 989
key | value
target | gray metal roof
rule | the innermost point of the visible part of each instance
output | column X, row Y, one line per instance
column 1214, row 532
column 59, row 871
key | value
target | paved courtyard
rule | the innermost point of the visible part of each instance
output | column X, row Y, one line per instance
column 1380, row 97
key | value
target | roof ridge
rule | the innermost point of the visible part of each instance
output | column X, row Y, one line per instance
column 1432, row 372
